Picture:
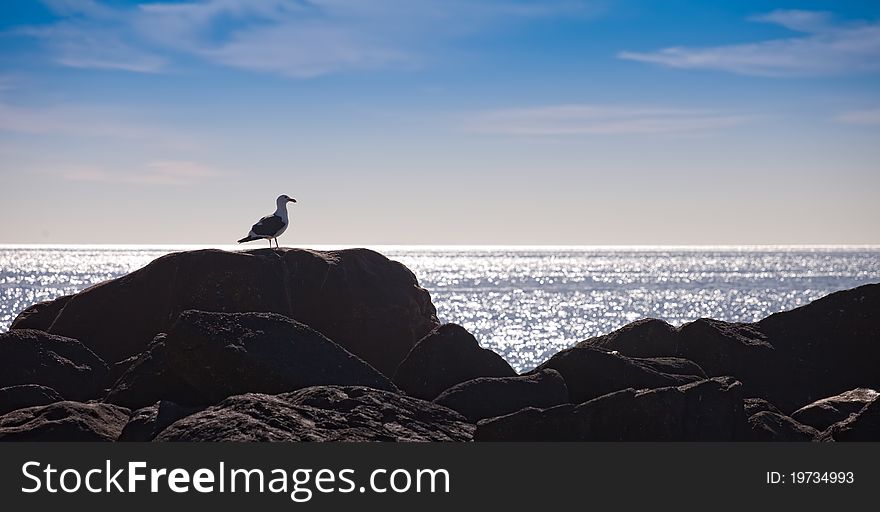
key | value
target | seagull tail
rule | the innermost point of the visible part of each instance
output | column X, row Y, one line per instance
column 248, row 239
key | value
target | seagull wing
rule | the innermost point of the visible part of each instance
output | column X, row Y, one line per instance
column 268, row 226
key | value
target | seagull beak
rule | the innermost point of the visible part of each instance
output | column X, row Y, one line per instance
column 291, row 200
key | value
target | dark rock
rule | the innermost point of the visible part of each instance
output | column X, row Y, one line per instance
column 708, row 410
column 324, row 413
column 118, row 369
column 592, row 372
column 40, row 315
column 26, row 395
column 823, row 413
column 226, row 354
column 445, row 357
column 755, row 405
column 821, row 349
column 28, row 356
column 147, row 422
column 861, row 426
column 772, row 426
column 370, row 305
column 829, row 346
column 150, row 379
column 64, row 421
column 487, row 397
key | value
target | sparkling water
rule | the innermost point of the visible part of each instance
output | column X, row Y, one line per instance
column 527, row 303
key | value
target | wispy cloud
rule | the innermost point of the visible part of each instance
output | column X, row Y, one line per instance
column 293, row 38
column 88, row 121
column 826, row 47
column 173, row 173
column 866, row 117
column 600, row 120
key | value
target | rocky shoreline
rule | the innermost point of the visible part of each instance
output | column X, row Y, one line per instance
column 299, row 345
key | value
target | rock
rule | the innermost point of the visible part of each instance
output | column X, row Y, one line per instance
column 772, row 426
column 823, row 413
column 28, row 356
column 26, row 395
column 370, row 305
column 225, row 354
column 486, row 397
column 755, row 405
column 707, row 410
column 445, row 357
column 148, row 422
column 861, row 426
column 821, row 349
column 591, row 372
column 40, row 315
column 324, row 413
column 150, row 379
column 64, row 421
column 827, row 347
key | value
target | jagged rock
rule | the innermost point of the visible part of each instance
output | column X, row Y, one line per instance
column 591, row 372
column 772, row 426
column 755, row 405
column 445, row 357
column 40, row 315
column 861, row 426
column 28, row 356
column 150, row 379
column 823, row 413
column 826, row 347
column 707, row 410
column 225, row 354
column 147, row 422
column 486, row 397
column 64, row 421
column 323, row 413
column 26, row 395
column 820, row 349
column 363, row 301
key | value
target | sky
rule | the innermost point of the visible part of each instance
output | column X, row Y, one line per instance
column 441, row 121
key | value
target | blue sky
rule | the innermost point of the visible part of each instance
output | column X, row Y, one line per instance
column 441, row 121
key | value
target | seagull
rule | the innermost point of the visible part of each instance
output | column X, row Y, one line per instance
column 270, row 227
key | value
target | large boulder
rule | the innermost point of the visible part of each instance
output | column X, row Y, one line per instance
column 829, row 346
column 487, row 397
column 823, row 413
column 223, row 354
column 821, row 349
column 64, row 421
column 150, row 379
column 26, row 395
column 445, row 357
column 772, row 426
column 591, row 372
column 861, row 426
column 324, row 413
column 707, row 410
column 147, row 422
column 28, row 356
column 363, row 301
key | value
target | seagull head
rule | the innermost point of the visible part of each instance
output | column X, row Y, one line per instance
column 284, row 199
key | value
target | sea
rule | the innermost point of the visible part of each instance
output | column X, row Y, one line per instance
column 526, row 302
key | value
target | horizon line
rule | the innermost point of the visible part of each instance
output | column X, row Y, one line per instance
column 392, row 247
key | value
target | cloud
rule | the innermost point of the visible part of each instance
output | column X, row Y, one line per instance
column 826, row 47
column 174, row 173
column 867, row 117
column 600, row 120
column 293, row 38
column 89, row 121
